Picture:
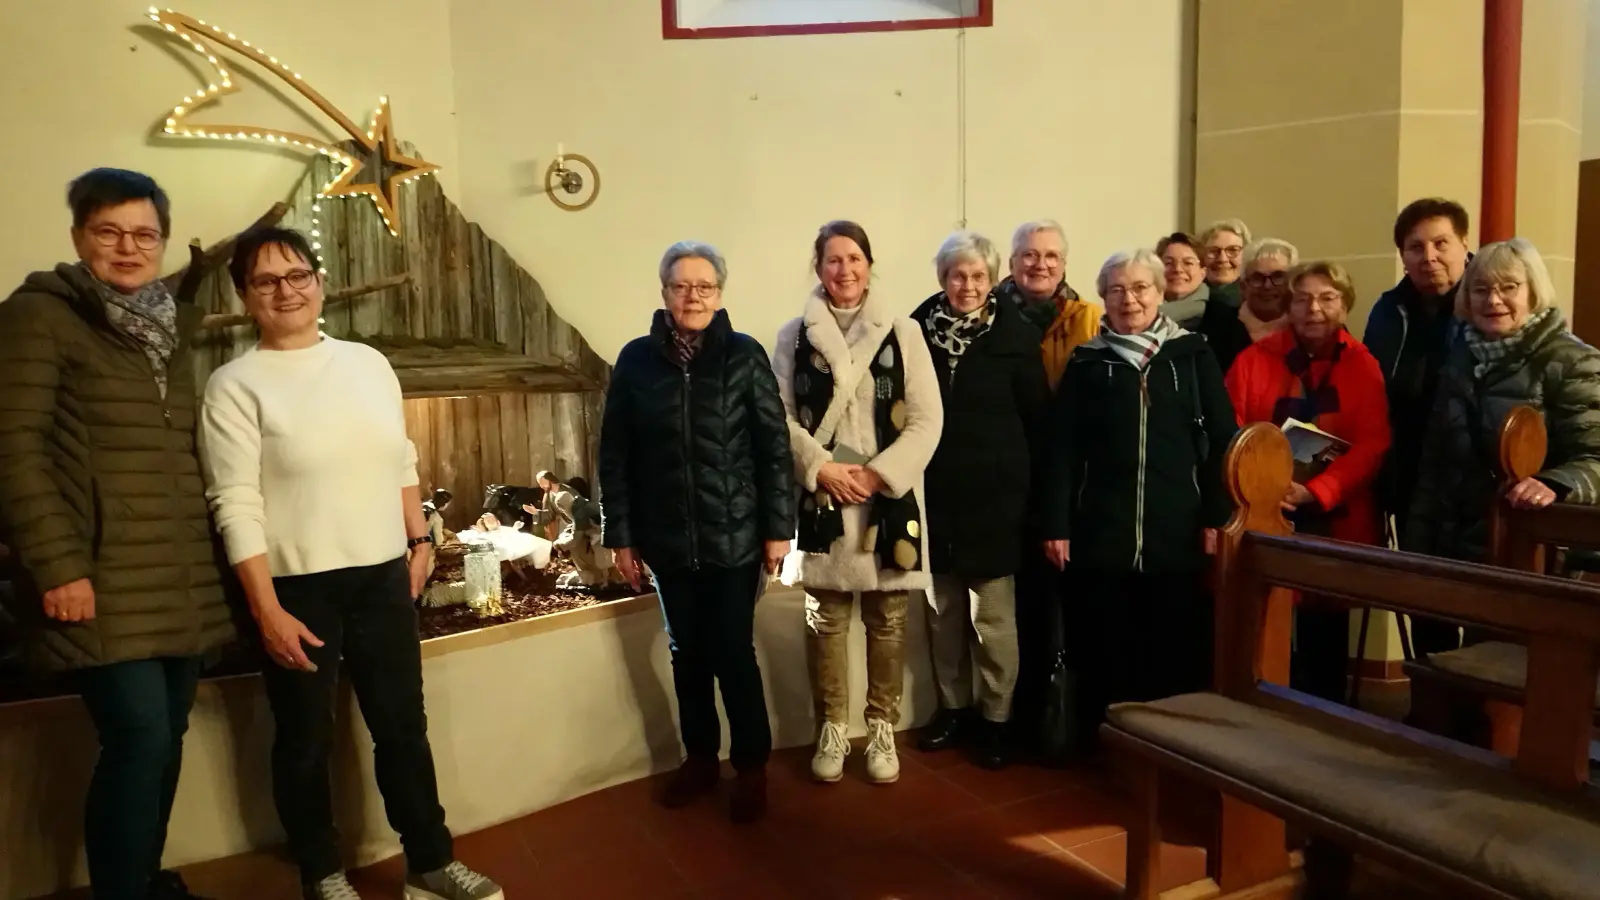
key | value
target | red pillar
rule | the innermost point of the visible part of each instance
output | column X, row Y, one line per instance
column 1502, row 94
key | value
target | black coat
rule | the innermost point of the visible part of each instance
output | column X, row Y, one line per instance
column 695, row 468
column 978, row 481
column 1101, row 459
column 1227, row 334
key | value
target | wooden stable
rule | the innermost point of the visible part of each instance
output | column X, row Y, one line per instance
column 1489, row 677
column 498, row 385
column 1458, row 817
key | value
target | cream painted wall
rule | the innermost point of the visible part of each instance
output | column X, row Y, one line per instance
column 1075, row 111
column 515, row 727
column 89, row 82
column 1591, row 84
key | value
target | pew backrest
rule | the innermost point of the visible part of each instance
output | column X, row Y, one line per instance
column 1526, row 539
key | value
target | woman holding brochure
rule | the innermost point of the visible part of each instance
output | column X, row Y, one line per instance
column 1322, row 386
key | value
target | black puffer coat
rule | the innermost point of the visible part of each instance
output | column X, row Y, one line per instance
column 695, row 468
column 978, row 481
column 1550, row 370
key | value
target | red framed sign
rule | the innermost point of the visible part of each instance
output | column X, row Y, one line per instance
column 745, row 18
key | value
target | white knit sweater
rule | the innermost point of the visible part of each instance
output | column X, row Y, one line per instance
column 305, row 453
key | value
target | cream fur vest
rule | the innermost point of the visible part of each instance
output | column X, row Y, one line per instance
column 850, row 419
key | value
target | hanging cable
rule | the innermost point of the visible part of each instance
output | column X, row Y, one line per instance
column 961, row 124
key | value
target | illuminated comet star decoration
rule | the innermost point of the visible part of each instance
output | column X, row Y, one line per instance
column 374, row 168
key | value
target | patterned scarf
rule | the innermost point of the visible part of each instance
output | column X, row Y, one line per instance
column 954, row 332
column 1138, row 349
column 1490, row 352
column 685, row 344
column 149, row 316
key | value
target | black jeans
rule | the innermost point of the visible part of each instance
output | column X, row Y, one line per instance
column 1321, row 658
column 1143, row 636
column 140, row 710
column 1038, row 627
column 710, row 614
column 366, row 616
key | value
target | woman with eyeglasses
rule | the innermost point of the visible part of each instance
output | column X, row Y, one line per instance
column 1224, row 245
column 1231, row 329
column 314, row 486
column 1516, row 351
column 1133, row 492
column 697, row 483
column 102, row 506
column 1187, row 291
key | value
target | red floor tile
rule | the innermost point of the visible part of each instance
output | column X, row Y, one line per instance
column 1069, row 818
column 1059, row 876
column 1180, row 865
column 1012, row 783
column 980, row 842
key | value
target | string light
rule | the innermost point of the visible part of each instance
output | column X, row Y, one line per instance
column 378, row 138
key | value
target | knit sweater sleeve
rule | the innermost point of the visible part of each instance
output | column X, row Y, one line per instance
column 230, row 452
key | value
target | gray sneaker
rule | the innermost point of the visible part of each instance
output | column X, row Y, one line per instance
column 453, row 882
column 334, row 887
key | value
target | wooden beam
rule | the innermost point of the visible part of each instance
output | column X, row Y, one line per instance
column 344, row 295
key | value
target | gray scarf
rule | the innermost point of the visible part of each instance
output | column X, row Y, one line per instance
column 1486, row 353
column 1189, row 309
column 149, row 316
column 1138, row 349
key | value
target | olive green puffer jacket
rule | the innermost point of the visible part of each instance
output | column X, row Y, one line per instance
column 1550, row 370
column 99, row 480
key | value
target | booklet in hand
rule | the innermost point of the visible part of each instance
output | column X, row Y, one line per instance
column 1314, row 449
column 850, row 456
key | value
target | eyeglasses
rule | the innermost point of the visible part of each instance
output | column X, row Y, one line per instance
column 1229, row 252
column 1188, row 262
column 1505, row 290
column 1033, row 257
column 1136, row 290
column 701, row 290
column 298, row 279
column 111, row 236
column 1262, row 279
column 1326, row 298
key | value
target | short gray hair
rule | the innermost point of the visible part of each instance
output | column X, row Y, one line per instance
column 1126, row 258
column 1029, row 229
column 1233, row 226
column 1270, row 246
column 693, row 250
column 1506, row 260
column 967, row 246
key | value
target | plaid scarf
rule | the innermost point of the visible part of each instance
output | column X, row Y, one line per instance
column 1488, row 353
column 149, row 316
column 685, row 344
column 954, row 333
column 1138, row 349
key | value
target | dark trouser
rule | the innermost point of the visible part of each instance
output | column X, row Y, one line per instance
column 1142, row 635
column 140, row 710
column 710, row 614
column 1038, row 587
column 366, row 616
column 1321, row 657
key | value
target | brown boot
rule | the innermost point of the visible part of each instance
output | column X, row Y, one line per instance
column 749, row 801
column 698, row 776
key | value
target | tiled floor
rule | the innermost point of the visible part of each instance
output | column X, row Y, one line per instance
column 946, row 831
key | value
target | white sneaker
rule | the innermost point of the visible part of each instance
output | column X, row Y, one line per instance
column 832, row 747
column 883, row 761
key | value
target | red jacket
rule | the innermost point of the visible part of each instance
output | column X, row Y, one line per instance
column 1260, row 378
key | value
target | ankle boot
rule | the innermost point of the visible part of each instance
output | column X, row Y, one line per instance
column 992, row 749
column 698, row 776
column 948, row 729
column 749, row 801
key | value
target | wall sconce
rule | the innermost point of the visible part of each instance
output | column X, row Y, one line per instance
column 565, row 182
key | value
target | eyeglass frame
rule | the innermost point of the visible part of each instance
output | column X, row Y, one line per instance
column 700, row 289
column 100, row 232
column 267, row 285
column 1138, row 290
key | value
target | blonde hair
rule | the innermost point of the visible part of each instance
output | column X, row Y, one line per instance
column 1507, row 260
column 1122, row 260
column 1234, row 226
column 1335, row 273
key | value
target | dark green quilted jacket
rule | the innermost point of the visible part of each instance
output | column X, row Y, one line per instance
column 1552, row 371
column 99, row 480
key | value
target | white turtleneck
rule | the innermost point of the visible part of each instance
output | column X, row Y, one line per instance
column 846, row 317
column 305, row 453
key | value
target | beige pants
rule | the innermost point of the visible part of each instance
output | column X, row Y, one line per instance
column 974, row 624
column 828, row 653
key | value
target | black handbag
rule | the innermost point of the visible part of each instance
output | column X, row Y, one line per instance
column 1062, row 740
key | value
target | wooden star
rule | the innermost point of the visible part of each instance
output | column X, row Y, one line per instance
column 378, row 168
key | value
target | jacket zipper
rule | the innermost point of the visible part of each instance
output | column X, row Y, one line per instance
column 1138, row 513
column 1405, row 330
column 688, row 469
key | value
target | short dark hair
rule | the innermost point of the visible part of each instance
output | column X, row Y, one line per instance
column 1419, row 211
column 97, row 189
column 840, row 228
column 1179, row 238
column 250, row 246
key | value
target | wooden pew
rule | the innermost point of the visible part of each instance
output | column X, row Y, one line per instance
column 1491, row 675
column 1455, row 816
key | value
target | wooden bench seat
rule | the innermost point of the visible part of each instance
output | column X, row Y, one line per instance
column 1475, row 823
column 1497, row 668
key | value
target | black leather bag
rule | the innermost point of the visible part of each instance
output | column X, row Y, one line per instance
column 1062, row 740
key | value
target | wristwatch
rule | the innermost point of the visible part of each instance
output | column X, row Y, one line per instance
column 425, row 539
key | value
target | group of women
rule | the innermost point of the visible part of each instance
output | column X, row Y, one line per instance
column 303, row 459
column 945, row 451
